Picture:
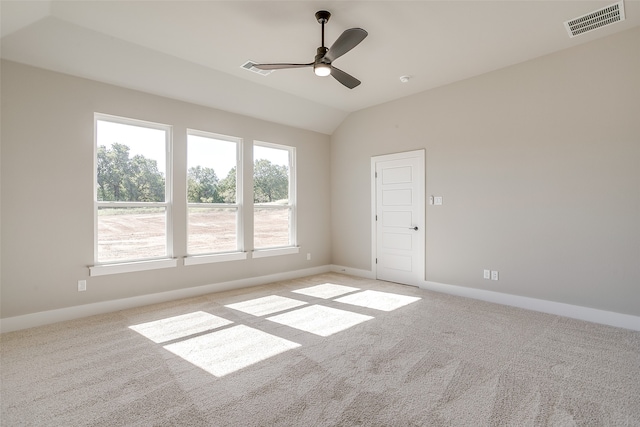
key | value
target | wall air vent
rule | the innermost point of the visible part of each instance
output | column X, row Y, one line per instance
column 249, row 65
column 597, row 19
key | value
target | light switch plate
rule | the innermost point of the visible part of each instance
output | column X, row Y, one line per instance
column 437, row 200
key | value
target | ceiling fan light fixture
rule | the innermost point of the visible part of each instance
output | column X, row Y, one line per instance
column 321, row 69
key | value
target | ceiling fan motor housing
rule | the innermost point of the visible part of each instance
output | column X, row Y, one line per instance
column 321, row 65
column 322, row 51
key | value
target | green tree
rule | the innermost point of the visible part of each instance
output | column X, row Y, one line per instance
column 103, row 171
column 146, row 182
column 202, row 185
column 113, row 168
column 270, row 182
column 227, row 187
column 124, row 179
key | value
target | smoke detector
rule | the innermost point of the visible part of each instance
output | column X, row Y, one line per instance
column 597, row 19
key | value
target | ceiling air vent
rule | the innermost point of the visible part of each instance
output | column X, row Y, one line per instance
column 596, row 19
column 249, row 65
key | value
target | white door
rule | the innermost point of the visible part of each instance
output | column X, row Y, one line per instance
column 399, row 237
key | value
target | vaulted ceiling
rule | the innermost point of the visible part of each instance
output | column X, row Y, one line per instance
column 193, row 50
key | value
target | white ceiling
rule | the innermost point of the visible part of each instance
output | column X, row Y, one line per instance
column 193, row 50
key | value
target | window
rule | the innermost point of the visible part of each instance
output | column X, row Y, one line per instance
column 132, row 190
column 214, row 183
column 133, row 198
column 273, row 196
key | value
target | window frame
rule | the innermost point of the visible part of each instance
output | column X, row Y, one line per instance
column 134, row 264
column 292, row 247
column 221, row 256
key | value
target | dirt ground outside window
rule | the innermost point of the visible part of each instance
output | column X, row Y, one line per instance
column 131, row 236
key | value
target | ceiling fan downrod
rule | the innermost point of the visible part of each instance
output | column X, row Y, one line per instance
column 322, row 67
column 323, row 17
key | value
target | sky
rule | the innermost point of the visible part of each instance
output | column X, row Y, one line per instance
column 141, row 140
column 204, row 151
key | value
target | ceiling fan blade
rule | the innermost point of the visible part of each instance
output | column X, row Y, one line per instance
column 280, row 66
column 347, row 41
column 344, row 78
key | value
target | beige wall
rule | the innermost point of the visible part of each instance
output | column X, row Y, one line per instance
column 539, row 167
column 47, row 175
column 538, row 164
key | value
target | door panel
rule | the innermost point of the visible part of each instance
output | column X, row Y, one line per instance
column 396, row 219
column 399, row 263
column 397, row 198
column 397, row 241
column 396, row 175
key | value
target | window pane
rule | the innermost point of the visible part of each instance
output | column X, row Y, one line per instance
column 212, row 230
column 212, row 163
column 272, row 197
column 126, row 234
column 271, row 227
column 270, row 175
column 211, row 170
column 131, row 163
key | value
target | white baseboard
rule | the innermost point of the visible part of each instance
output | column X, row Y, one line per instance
column 561, row 309
column 53, row 316
column 588, row 314
column 352, row 271
column 594, row 315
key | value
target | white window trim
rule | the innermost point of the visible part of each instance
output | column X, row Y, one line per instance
column 197, row 258
column 212, row 258
column 130, row 267
column 122, row 266
column 291, row 205
column 268, row 252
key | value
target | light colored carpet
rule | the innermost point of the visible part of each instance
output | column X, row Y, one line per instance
column 327, row 350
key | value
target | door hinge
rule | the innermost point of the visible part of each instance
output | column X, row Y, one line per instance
column 376, row 174
column 376, row 260
column 376, row 217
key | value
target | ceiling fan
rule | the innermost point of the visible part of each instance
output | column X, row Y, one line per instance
column 325, row 56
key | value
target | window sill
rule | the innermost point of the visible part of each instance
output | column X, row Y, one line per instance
column 130, row 267
column 210, row 258
column 263, row 253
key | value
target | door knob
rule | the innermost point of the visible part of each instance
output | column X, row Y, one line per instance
column 414, row 228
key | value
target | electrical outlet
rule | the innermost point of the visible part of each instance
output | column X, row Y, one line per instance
column 487, row 274
column 82, row 285
column 309, row 257
column 437, row 200
column 494, row 275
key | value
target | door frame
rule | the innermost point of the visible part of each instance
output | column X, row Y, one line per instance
column 374, row 204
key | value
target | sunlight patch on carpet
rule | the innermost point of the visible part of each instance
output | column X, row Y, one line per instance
column 266, row 305
column 229, row 350
column 175, row 327
column 320, row 320
column 378, row 300
column 326, row 291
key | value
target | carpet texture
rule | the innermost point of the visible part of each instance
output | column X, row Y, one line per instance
column 326, row 350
